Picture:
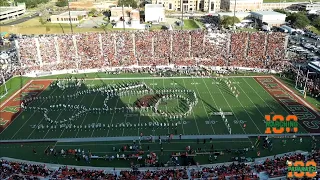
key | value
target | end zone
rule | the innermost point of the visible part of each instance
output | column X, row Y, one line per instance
column 10, row 109
column 292, row 103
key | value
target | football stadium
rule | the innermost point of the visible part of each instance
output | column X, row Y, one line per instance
column 157, row 105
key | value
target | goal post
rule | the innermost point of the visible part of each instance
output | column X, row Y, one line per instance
column 296, row 84
column 3, row 88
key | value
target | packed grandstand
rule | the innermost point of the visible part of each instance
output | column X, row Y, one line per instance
column 133, row 50
column 123, row 49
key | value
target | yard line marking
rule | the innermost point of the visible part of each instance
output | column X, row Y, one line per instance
column 96, row 123
column 231, row 108
column 113, row 116
column 98, row 119
column 72, row 114
column 193, row 111
column 59, row 113
column 125, row 119
column 211, row 98
column 267, row 105
column 29, row 117
column 203, row 108
column 164, row 86
column 98, row 92
column 56, row 118
column 183, row 132
column 245, row 109
column 17, row 92
column 140, row 118
column 43, row 117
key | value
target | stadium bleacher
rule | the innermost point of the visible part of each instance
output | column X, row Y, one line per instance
column 123, row 49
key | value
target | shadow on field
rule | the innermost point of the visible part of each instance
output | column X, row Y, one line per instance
column 51, row 114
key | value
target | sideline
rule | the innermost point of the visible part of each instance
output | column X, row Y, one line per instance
column 111, row 169
column 175, row 137
column 175, row 77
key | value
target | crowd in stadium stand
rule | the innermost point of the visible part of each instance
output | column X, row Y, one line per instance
column 8, row 64
column 275, row 167
column 182, row 48
column 11, row 169
column 235, row 170
column 278, row 166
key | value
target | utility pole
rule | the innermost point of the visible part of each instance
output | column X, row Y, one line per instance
column 234, row 11
column 123, row 20
column 182, row 23
column 70, row 17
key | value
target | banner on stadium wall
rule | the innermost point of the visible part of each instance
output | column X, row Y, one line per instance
column 44, row 74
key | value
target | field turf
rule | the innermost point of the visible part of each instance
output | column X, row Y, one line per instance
column 258, row 96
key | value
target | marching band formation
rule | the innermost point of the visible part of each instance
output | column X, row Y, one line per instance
column 225, row 120
column 188, row 97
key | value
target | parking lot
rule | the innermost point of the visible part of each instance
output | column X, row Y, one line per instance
column 304, row 46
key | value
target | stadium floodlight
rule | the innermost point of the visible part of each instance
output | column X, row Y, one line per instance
column 5, row 86
column 70, row 17
column 182, row 22
column 234, row 13
column 123, row 20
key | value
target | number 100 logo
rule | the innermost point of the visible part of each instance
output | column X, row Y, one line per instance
column 279, row 124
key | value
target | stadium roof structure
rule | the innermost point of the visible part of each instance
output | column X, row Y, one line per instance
column 315, row 65
column 266, row 13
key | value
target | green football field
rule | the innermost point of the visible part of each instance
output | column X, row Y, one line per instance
column 245, row 113
column 259, row 95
